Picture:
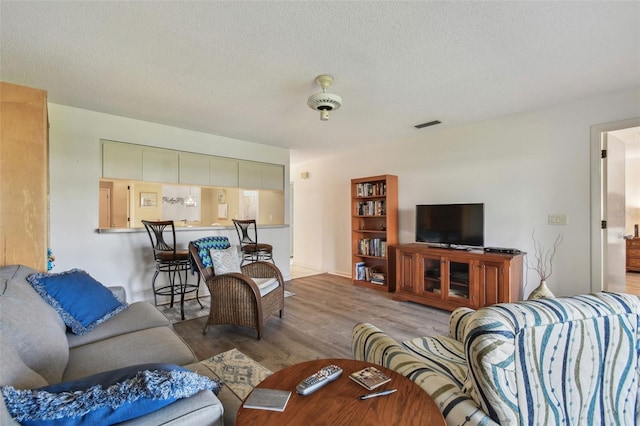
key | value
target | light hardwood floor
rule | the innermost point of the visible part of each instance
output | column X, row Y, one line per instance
column 317, row 323
column 632, row 284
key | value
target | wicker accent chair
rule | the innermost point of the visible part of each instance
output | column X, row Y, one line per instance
column 247, row 299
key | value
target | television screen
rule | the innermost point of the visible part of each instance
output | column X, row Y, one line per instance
column 450, row 224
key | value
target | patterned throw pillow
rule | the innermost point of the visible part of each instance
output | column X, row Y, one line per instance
column 225, row 261
column 80, row 300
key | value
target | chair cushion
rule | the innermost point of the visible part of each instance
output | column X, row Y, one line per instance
column 81, row 301
column 106, row 398
column 168, row 256
column 225, row 261
column 266, row 285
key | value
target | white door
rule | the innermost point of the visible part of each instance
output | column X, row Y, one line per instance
column 613, row 243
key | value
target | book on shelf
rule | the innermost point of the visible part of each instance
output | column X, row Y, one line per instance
column 360, row 270
column 369, row 378
column 368, row 273
column 267, row 399
column 372, row 247
column 371, row 189
column 371, row 208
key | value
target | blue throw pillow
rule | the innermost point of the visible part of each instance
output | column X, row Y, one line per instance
column 80, row 300
column 106, row 398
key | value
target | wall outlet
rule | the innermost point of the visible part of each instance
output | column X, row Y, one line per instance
column 557, row 219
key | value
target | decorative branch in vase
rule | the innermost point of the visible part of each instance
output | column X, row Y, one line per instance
column 543, row 266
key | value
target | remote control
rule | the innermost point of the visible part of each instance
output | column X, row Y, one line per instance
column 319, row 379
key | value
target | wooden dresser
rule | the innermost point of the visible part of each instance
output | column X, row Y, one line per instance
column 633, row 254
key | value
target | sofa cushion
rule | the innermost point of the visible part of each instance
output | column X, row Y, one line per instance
column 13, row 371
column 202, row 409
column 138, row 316
column 225, row 261
column 158, row 344
column 81, row 301
column 442, row 354
column 34, row 329
column 106, row 398
column 228, row 399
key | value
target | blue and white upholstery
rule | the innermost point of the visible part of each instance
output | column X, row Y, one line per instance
column 562, row 361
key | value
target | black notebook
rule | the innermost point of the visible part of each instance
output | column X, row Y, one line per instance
column 267, row 399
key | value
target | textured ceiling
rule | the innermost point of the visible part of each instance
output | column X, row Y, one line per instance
column 245, row 69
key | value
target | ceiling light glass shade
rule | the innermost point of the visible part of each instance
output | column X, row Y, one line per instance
column 189, row 201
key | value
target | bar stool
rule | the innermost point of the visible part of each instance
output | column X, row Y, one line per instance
column 171, row 261
column 251, row 249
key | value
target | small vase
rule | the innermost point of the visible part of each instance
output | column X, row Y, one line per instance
column 541, row 291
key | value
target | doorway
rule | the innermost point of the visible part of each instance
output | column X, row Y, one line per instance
column 607, row 245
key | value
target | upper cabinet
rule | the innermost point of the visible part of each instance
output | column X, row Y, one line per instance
column 256, row 175
column 249, row 174
column 137, row 162
column 160, row 165
column 121, row 160
column 194, row 169
column 223, row 172
column 272, row 176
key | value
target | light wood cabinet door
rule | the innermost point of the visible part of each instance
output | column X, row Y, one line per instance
column 24, row 177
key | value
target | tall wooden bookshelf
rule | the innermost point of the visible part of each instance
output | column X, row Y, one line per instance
column 374, row 229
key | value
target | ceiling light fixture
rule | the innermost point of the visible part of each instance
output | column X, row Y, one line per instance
column 324, row 102
column 189, row 200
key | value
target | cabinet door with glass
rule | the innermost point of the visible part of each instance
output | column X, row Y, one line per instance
column 458, row 283
column 448, row 279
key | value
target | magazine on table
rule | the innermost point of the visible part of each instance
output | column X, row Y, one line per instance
column 369, row 378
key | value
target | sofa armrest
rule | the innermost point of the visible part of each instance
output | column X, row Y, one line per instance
column 458, row 323
column 371, row 344
column 119, row 292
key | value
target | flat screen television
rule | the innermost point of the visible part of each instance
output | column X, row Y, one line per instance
column 450, row 225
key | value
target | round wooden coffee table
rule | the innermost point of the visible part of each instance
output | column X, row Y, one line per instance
column 337, row 403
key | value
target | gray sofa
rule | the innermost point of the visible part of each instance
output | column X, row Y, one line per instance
column 36, row 350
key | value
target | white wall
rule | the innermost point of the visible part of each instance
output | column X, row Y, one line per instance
column 522, row 167
column 75, row 167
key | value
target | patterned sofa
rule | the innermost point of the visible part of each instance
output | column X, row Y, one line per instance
column 570, row 361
